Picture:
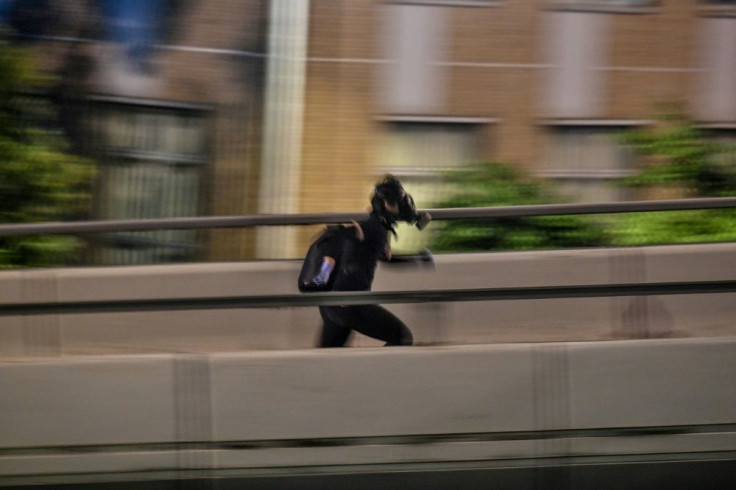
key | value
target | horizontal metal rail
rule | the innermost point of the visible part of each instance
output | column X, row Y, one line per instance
column 26, row 229
column 365, row 298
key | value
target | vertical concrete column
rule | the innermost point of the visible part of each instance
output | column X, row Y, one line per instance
column 283, row 118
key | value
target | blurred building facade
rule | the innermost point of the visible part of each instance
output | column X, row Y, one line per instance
column 229, row 107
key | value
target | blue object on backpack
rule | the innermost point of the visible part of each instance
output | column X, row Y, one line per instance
column 329, row 243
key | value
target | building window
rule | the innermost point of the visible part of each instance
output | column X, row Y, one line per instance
column 153, row 164
column 586, row 160
column 717, row 8
column 417, row 151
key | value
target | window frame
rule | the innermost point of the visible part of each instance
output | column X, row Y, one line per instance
column 105, row 109
column 439, row 120
column 599, row 175
column 714, row 8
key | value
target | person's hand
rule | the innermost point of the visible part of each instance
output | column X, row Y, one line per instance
column 423, row 219
column 426, row 258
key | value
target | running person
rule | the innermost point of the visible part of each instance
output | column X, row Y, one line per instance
column 368, row 243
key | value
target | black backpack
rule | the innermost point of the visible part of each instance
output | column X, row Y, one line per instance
column 330, row 242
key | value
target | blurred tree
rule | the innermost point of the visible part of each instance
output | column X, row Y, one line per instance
column 500, row 184
column 681, row 159
column 39, row 179
column 679, row 162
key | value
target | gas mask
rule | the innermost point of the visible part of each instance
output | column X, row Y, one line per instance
column 391, row 190
column 408, row 212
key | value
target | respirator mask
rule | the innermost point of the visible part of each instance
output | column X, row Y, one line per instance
column 392, row 191
column 408, row 212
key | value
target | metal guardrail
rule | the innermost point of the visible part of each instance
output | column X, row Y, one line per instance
column 365, row 297
column 362, row 297
column 25, row 229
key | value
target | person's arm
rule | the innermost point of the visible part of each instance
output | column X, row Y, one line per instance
column 355, row 227
column 386, row 256
column 424, row 257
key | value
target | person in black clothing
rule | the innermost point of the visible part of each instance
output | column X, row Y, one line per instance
column 367, row 243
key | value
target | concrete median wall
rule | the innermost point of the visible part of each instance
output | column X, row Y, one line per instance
column 362, row 410
column 702, row 315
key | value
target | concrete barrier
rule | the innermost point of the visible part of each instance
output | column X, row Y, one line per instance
column 165, row 417
column 432, row 323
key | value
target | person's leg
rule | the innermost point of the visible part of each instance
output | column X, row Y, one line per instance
column 377, row 322
column 333, row 334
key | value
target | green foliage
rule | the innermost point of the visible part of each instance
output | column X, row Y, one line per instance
column 681, row 158
column 499, row 184
column 39, row 180
column 674, row 227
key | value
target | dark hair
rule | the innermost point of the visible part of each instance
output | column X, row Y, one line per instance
column 390, row 189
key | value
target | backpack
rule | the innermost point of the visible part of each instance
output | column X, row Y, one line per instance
column 330, row 242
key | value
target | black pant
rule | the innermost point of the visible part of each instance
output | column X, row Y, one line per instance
column 371, row 320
